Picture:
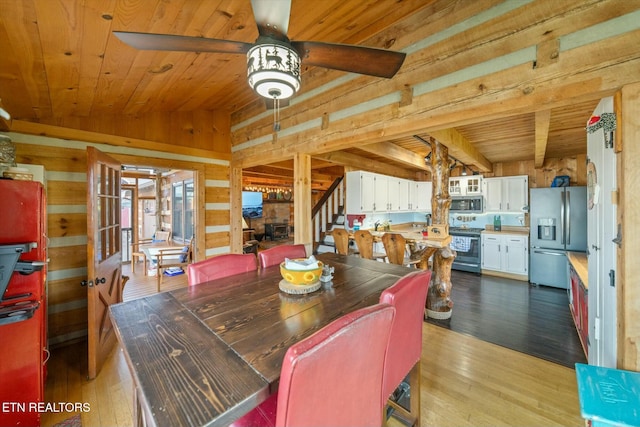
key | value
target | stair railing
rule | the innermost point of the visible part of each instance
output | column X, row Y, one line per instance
column 324, row 210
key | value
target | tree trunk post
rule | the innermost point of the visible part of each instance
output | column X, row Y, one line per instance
column 439, row 303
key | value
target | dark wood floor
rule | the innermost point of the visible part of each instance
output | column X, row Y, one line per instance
column 531, row 319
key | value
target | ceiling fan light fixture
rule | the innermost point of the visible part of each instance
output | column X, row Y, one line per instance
column 273, row 70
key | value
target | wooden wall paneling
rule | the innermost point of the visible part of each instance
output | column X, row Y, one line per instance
column 67, row 257
column 628, row 291
column 53, row 158
column 235, row 211
column 302, row 196
column 116, row 140
column 466, row 102
column 22, row 55
column 66, row 190
column 218, row 242
column 217, row 195
column 66, row 193
column 65, row 291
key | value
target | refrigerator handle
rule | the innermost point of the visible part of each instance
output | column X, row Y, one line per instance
column 568, row 218
column 562, row 216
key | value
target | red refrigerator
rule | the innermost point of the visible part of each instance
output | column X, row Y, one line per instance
column 23, row 306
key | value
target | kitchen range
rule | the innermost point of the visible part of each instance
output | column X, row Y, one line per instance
column 466, row 242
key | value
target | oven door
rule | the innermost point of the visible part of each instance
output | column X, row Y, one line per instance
column 467, row 247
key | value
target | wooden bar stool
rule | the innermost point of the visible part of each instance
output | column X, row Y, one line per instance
column 364, row 241
column 341, row 240
column 395, row 245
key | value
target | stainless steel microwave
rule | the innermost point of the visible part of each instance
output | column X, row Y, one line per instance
column 466, row 204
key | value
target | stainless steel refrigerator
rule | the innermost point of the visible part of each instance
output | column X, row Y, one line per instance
column 558, row 224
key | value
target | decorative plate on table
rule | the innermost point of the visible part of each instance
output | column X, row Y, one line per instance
column 290, row 288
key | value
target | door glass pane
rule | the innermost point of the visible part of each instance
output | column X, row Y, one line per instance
column 178, row 206
column 188, row 210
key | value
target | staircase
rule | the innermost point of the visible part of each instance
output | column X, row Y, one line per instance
column 327, row 214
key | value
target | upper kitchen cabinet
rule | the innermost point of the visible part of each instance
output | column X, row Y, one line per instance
column 369, row 192
column 506, row 194
column 361, row 192
column 465, row 185
column 420, row 193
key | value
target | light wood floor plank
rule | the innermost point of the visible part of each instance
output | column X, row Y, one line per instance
column 465, row 381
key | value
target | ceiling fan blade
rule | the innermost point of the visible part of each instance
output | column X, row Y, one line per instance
column 356, row 59
column 272, row 17
column 147, row 41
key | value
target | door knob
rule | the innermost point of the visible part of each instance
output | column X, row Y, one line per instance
column 100, row 280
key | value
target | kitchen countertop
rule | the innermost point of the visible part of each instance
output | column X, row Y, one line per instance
column 580, row 264
column 507, row 229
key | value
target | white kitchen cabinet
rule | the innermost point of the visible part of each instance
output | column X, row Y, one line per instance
column 397, row 195
column 360, row 192
column 491, row 252
column 506, row 194
column 465, row 185
column 420, row 193
column 369, row 192
column 506, row 253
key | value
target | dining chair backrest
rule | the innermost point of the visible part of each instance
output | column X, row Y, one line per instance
column 220, row 266
column 395, row 246
column 408, row 295
column 277, row 254
column 341, row 240
column 334, row 377
column 162, row 236
column 364, row 241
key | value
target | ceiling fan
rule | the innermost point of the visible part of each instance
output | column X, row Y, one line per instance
column 273, row 61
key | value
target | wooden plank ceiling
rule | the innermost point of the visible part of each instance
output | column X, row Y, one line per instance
column 62, row 64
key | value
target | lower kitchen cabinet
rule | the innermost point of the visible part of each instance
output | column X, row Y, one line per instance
column 579, row 297
column 506, row 253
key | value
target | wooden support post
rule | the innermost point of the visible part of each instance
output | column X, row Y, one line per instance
column 439, row 302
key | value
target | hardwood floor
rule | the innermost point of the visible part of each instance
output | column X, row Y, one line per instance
column 466, row 380
column 532, row 319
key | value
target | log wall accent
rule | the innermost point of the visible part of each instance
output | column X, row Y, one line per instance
column 65, row 166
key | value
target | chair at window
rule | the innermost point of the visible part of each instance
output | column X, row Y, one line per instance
column 364, row 242
column 341, row 240
column 277, row 254
column 173, row 257
column 395, row 245
column 333, row 377
column 409, row 296
column 220, row 266
column 137, row 253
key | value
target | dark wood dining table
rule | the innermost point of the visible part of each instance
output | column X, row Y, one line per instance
column 208, row 354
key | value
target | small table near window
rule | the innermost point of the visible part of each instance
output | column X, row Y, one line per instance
column 276, row 230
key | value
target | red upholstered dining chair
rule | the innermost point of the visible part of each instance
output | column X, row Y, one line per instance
column 220, row 266
column 277, row 254
column 408, row 295
column 333, row 377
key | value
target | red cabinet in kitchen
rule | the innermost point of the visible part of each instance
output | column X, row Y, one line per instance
column 579, row 300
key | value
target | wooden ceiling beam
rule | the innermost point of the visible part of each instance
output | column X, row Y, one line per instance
column 362, row 163
column 543, row 118
column 398, row 154
column 462, row 149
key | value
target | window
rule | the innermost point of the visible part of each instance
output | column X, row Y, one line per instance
column 182, row 198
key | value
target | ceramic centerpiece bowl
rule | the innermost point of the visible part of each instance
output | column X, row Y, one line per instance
column 301, row 277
